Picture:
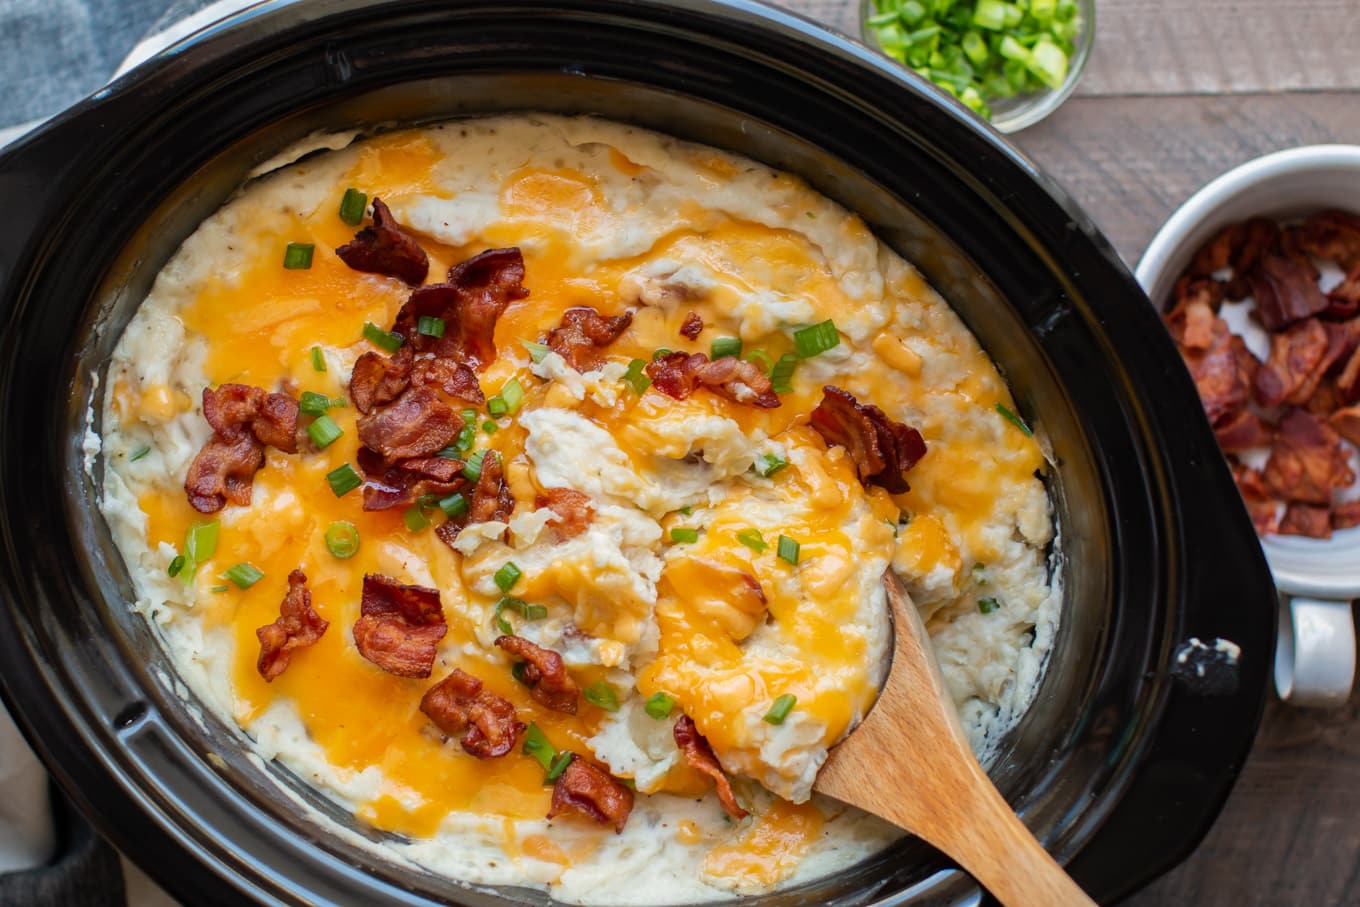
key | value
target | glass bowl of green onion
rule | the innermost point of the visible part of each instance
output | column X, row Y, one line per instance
column 1009, row 61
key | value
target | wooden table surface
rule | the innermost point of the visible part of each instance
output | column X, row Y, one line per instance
column 1175, row 93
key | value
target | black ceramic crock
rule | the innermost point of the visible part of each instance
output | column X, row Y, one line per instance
column 1125, row 757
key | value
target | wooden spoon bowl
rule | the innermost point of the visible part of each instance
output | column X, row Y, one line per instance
column 910, row 763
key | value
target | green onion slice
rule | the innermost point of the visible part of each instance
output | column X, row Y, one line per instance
column 781, row 376
column 816, row 339
column 517, row 671
column 988, row 605
column 497, row 406
column 558, row 767
column 537, row 351
column 520, row 607
column 685, row 536
column 661, row 353
column 415, row 518
column 507, row 576
column 314, row 404
column 343, row 480
column 761, row 359
column 1014, row 420
column 455, row 505
column 659, row 706
column 472, row 469
column 489, row 427
column 430, row 326
column 780, row 709
column 752, row 539
column 352, row 207
column 512, row 392
column 244, row 575
column 788, row 549
column 636, row 378
column 200, row 544
column 767, row 465
column 602, row 694
column 324, row 432
column 725, row 346
column 220, row 588
column 536, row 744
column 466, row 438
column 382, row 339
column 298, row 256
column 342, row 539
column 318, row 359
column 176, row 566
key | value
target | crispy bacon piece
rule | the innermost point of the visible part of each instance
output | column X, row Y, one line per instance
column 399, row 626
column 583, row 333
column 1241, row 431
column 1295, row 355
column 594, row 793
column 271, row 418
column 1192, row 324
column 1343, row 301
column 1332, row 235
column 701, row 758
column 881, row 449
column 680, row 374
column 1346, row 515
column 572, row 510
column 474, row 296
column 453, row 378
column 1306, row 519
column 491, row 498
column 1307, row 461
column 298, row 625
column 378, row 379
column 1264, row 509
column 416, row 424
column 385, row 248
column 1239, row 247
column 545, row 674
column 1215, row 254
column 224, row 470
column 692, row 326
column 398, row 484
column 1346, row 423
column 1285, row 291
column 460, row 707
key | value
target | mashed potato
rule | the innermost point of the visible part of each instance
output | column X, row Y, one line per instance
column 689, row 496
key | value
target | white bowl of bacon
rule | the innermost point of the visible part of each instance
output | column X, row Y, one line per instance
column 1258, row 278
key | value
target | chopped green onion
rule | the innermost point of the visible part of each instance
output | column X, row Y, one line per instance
column 520, row 607
column 558, row 767
column 787, row 549
column 313, row 404
column 767, row 465
column 980, row 574
column 1014, row 420
column 781, row 376
column 988, row 605
column 466, row 438
column 342, row 539
column 343, row 480
column 517, row 671
column 200, row 544
column 687, row 510
column 536, row 744
column 685, row 536
column 636, row 378
column 472, row 469
column 298, row 256
column 324, row 431
column 537, row 351
column 912, row 12
column 1049, row 63
column 415, row 519
column 455, row 505
column 469, row 415
column 661, row 353
column 816, row 339
column 489, row 427
column 176, row 566
column 602, row 694
column 220, row 588
column 430, row 326
column 383, row 339
column 318, row 359
column 507, row 576
column 725, row 346
column 780, row 709
column 752, row 539
column 990, row 14
column 659, row 706
column 352, row 207
column 513, row 395
column 244, row 575
column 761, row 360
column 139, row 453
column 497, row 406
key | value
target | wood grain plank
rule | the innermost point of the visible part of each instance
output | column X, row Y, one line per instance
column 1174, row 47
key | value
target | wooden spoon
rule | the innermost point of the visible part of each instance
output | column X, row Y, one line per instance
column 909, row 763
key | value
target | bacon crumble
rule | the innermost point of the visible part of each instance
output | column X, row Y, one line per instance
column 399, row 626
column 399, row 484
column 881, row 449
column 583, row 333
column 378, row 379
column 297, row 626
column 545, row 674
column 692, row 326
column 385, row 248
column 475, row 295
column 678, row 375
column 453, row 378
column 591, row 791
column 244, row 419
column 572, row 510
column 491, row 497
column 701, row 758
column 416, row 424
column 460, row 707
column 1306, row 462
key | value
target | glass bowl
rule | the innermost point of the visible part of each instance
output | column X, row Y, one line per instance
column 1015, row 113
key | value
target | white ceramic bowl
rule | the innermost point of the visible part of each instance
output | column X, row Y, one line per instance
column 1315, row 658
